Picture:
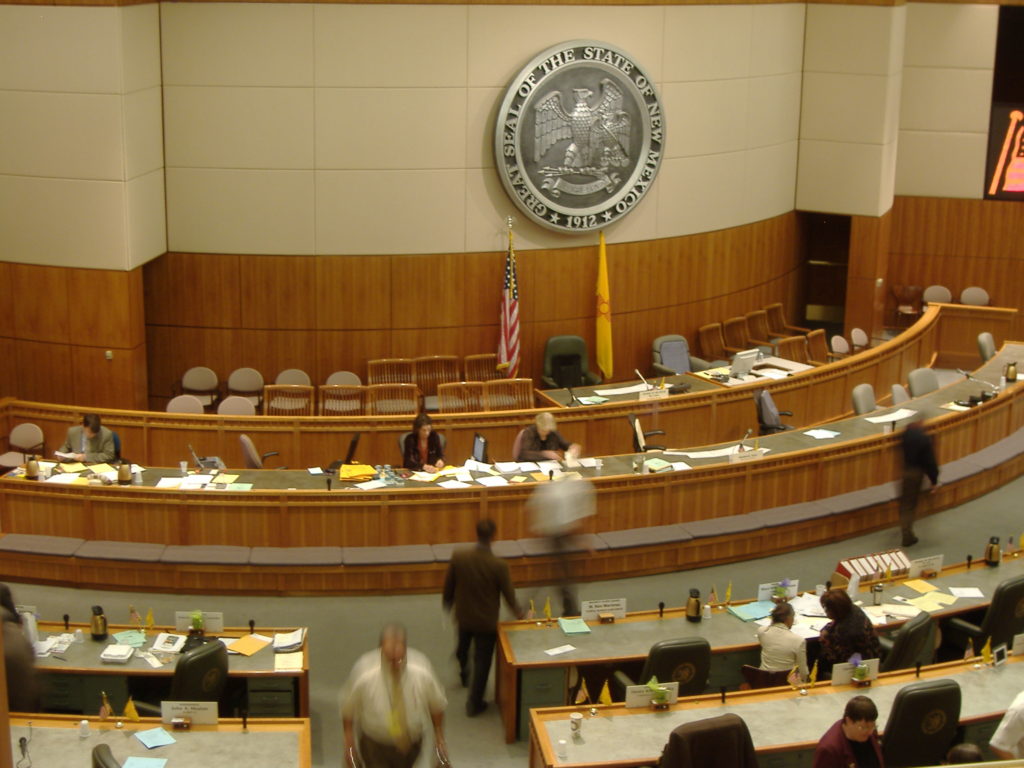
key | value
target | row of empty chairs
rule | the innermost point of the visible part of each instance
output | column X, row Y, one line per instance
column 763, row 328
column 910, row 298
column 920, row 381
column 202, row 384
column 372, row 399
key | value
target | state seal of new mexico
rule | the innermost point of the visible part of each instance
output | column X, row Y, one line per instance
column 578, row 139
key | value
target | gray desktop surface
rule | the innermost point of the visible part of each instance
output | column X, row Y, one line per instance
column 634, row 638
column 791, row 719
column 62, row 747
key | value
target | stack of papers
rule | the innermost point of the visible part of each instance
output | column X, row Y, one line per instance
column 752, row 611
column 168, row 643
column 117, row 654
column 285, row 642
column 288, row 662
column 247, row 645
column 136, row 638
column 573, row 626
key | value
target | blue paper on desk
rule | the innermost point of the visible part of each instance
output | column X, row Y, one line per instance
column 155, row 737
column 752, row 611
column 133, row 637
column 573, row 626
column 144, row 762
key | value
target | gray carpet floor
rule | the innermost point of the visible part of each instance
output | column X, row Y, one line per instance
column 342, row 628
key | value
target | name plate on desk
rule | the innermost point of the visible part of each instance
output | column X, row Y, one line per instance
column 640, row 695
column 752, row 455
column 922, row 566
column 589, row 609
column 652, row 394
column 198, row 712
column 213, row 621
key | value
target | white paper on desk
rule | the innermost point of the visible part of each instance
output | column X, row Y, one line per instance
column 453, row 484
column 560, row 649
column 492, row 480
column 902, row 413
column 424, row 477
column 900, row 611
column 590, row 462
column 194, row 483
column 507, row 466
column 821, row 434
column 549, row 466
column 228, row 642
column 632, row 389
column 528, row 466
column 288, row 662
column 966, row 592
column 464, row 476
column 680, row 465
column 477, row 466
column 771, row 373
column 63, row 455
column 807, row 604
column 168, row 482
column 315, row 471
column 806, row 630
column 64, row 478
column 955, row 407
column 370, row 485
column 712, row 454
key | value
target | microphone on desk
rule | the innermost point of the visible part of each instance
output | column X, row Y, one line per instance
column 245, row 721
column 968, row 376
column 23, row 746
column 328, row 482
column 661, row 610
column 741, row 446
column 969, row 558
column 917, row 672
column 723, row 694
column 828, row 585
column 637, row 372
column 67, row 625
column 252, row 626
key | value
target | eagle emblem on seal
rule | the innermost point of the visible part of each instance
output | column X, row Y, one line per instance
column 598, row 138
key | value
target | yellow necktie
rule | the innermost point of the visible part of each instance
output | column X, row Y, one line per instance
column 398, row 728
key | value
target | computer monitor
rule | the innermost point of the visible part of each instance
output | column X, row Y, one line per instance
column 480, row 448
column 352, row 445
column 208, row 462
column 742, row 362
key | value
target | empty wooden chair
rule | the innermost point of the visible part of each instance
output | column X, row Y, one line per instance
column 908, row 304
column 236, row 406
column 25, row 439
column 392, row 399
column 792, row 348
column 389, row 370
column 460, row 397
column 483, row 367
column 734, row 332
column 247, row 382
column 185, row 404
column 342, row 399
column 508, row 394
column 817, row 348
column 712, row 345
column 287, row 400
column 777, row 323
column 428, row 372
column 344, row 377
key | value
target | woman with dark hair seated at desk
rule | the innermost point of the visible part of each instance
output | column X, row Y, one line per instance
column 849, row 631
column 422, row 449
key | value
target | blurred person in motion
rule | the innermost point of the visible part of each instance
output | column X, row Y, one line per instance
column 557, row 511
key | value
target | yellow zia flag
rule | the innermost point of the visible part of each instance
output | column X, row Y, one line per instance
column 986, row 651
column 130, row 712
column 728, row 593
column 583, row 695
column 547, row 608
column 606, row 695
column 813, row 677
column 604, row 314
column 149, row 619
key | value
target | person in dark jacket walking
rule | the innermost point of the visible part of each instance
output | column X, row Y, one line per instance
column 918, row 462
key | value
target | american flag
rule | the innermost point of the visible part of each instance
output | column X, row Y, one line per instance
column 508, row 346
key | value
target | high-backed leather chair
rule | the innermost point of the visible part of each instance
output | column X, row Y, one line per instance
column 1003, row 619
column 913, row 643
column 922, row 723
column 768, row 415
column 567, row 364
column 253, row 458
column 670, row 354
column 715, row 742
column 640, row 444
column 755, row 677
column 685, row 660
column 863, row 397
column 102, row 757
column 986, row 346
column 199, row 675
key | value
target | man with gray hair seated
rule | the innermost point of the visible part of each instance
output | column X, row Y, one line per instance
column 540, row 441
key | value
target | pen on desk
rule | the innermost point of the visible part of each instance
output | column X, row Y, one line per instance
column 56, row 656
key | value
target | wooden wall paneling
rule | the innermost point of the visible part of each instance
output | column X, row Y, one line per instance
column 100, row 383
column 426, row 291
column 40, row 300
column 273, row 351
column 9, row 370
column 482, row 282
column 349, row 351
column 354, row 293
column 335, row 521
column 44, row 371
column 173, row 350
column 414, row 517
column 124, row 514
column 105, row 308
column 277, row 292
column 234, row 520
column 63, row 512
column 561, row 285
column 868, row 266
column 193, row 289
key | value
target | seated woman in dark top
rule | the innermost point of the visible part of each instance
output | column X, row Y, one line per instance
column 422, row 449
column 849, row 632
column 19, row 658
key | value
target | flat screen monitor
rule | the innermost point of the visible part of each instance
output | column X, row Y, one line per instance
column 480, row 448
column 743, row 362
column 352, row 445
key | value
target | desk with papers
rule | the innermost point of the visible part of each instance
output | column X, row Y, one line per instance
column 780, row 720
column 528, row 675
column 54, row 740
column 275, row 684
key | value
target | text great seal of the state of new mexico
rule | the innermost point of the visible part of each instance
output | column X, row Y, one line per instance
column 579, row 136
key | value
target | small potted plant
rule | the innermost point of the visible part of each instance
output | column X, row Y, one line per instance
column 780, row 592
column 859, row 675
column 659, row 694
column 196, row 634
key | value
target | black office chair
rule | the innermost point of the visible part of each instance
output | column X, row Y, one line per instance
column 922, row 723
column 102, row 757
column 715, row 742
column 755, row 677
column 253, row 458
column 912, row 644
column 199, row 675
column 567, row 364
column 769, row 419
column 640, row 444
column 684, row 660
column 1003, row 619
column 117, row 445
